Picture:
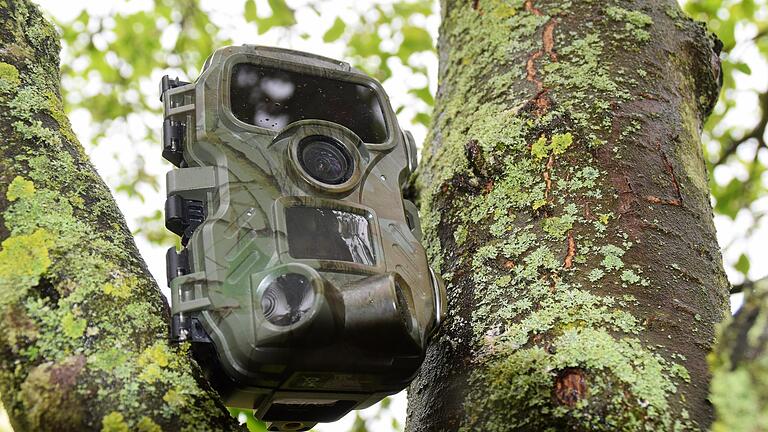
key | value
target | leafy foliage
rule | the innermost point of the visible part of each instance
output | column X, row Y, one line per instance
column 281, row 15
column 106, row 75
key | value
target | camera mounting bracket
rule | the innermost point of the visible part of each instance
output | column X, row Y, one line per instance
column 177, row 98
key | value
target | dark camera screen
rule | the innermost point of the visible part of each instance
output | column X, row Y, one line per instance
column 316, row 233
column 273, row 98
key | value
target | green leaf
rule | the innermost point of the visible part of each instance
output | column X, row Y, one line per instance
column 365, row 44
column 250, row 11
column 251, row 423
column 742, row 265
column 406, row 9
column 424, row 94
column 282, row 16
column 415, row 39
column 422, row 118
column 743, row 68
column 282, row 11
column 385, row 403
column 727, row 198
column 336, row 30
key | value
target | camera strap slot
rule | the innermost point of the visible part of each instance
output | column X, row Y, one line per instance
column 184, row 326
column 173, row 138
column 176, row 263
column 183, row 216
column 186, row 283
column 178, row 106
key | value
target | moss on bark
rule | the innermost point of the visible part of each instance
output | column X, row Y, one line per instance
column 84, row 327
column 565, row 204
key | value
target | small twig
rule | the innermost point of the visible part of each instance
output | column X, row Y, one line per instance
column 760, row 34
column 757, row 132
column 747, row 285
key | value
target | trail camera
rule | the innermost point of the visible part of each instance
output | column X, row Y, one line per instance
column 302, row 285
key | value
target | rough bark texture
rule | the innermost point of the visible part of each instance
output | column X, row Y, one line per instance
column 83, row 336
column 565, row 201
column 740, row 366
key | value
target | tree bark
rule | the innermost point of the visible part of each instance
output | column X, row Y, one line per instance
column 564, row 199
column 83, row 330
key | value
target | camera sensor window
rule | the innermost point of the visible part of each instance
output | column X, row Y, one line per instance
column 326, row 234
column 274, row 98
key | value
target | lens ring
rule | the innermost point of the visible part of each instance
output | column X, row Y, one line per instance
column 287, row 299
column 325, row 159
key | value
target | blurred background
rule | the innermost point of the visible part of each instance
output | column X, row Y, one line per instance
column 115, row 52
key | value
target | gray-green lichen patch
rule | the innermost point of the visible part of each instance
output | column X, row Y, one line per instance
column 635, row 21
column 523, row 380
column 556, row 145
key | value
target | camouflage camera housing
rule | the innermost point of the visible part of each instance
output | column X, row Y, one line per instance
column 302, row 285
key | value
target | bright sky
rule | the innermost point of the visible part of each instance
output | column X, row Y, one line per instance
column 228, row 14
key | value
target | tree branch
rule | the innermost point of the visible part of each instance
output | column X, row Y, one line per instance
column 758, row 133
column 748, row 285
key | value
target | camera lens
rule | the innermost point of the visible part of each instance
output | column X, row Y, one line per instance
column 287, row 299
column 325, row 159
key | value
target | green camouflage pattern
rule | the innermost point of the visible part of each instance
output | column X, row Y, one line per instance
column 362, row 339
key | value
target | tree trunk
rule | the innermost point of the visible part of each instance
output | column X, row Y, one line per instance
column 564, row 198
column 83, row 328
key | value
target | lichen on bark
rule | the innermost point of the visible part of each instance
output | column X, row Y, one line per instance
column 84, row 341
column 564, row 200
